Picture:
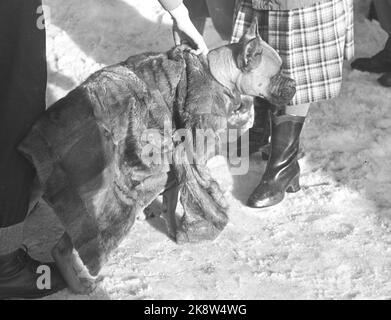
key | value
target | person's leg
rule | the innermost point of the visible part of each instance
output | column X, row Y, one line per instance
column 380, row 62
column 22, row 99
column 282, row 171
column 11, row 229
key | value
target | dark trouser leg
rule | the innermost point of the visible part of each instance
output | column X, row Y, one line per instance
column 22, row 99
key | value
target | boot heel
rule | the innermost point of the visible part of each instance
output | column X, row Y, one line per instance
column 294, row 185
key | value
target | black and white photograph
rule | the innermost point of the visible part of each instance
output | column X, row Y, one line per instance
column 219, row 151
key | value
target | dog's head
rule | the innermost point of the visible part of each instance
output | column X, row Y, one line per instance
column 261, row 67
column 252, row 67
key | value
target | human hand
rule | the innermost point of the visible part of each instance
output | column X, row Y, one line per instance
column 185, row 31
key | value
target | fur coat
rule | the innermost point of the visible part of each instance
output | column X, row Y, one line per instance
column 92, row 149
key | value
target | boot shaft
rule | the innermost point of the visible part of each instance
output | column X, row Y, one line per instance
column 282, row 170
column 285, row 136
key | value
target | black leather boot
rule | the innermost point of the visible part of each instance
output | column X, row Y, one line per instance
column 19, row 277
column 379, row 63
column 259, row 134
column 282, row 170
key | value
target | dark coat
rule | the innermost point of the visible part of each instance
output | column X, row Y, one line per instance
column 22, row 99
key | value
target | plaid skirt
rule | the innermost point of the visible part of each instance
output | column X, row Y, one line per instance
column 312, row 42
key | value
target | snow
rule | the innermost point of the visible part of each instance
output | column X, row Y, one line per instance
column 331, row 240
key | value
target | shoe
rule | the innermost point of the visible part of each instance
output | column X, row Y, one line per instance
column 20, row 277
column 379, row 63
column 385, row 80
column 282, row 171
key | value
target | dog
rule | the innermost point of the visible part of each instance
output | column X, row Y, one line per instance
column 92, row 149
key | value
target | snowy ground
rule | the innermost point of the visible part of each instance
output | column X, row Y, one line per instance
column 331, row 240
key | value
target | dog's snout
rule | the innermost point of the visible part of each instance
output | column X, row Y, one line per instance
column 283, row 87
column 288, row 89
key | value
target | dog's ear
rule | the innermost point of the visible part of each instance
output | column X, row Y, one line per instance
column 251, row 48
column 252, row 32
